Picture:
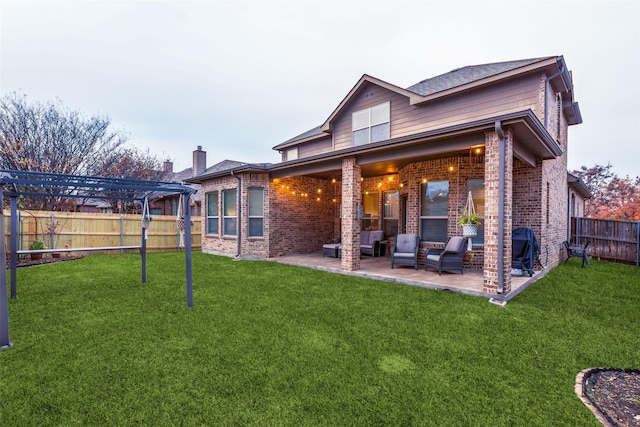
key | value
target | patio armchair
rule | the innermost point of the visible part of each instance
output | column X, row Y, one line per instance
column 405, row 250
column 449, row 258
column 370, row 242
column 577, row 251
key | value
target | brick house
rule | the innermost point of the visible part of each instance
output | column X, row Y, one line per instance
column 404, row 161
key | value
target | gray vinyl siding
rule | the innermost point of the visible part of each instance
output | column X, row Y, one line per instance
column 517, row 95
column 315, row 147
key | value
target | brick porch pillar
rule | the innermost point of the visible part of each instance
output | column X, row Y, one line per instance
column 351, row 196
column 491, row 220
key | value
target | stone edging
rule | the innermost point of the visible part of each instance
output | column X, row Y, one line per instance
column 579, row 389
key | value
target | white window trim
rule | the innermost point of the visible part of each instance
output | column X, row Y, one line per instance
column 256, row 216
column 370, row 124
column 216, row 216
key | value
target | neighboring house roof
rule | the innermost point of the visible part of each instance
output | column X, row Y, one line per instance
column 454, row 81
column 227, row 167
column 97, row 203
column 579, row 186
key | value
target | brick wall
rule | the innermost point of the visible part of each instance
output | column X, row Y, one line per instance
column 303, row 213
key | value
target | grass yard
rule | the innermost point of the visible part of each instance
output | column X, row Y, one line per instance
column 275, row 345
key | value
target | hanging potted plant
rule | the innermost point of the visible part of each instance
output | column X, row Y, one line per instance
column 469, row 219
column 146, row 221
column 469, row 223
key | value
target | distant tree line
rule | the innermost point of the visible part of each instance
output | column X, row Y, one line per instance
column 49, row 137
column 613, row 197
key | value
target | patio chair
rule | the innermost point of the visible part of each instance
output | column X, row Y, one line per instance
column 370, row 242
column 448, row 259
column 577, row 252
column 405, row 251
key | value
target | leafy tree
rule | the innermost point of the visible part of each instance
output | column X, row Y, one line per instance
column 49, row 137
column 613, row 197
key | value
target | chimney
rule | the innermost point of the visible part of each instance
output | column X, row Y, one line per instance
column 168, row 166
column 199, row 161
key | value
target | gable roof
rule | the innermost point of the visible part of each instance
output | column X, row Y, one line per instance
column 445, row 84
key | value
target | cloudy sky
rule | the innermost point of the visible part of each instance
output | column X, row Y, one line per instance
column 240, row 77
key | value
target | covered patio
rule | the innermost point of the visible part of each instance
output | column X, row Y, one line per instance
column 379, row 268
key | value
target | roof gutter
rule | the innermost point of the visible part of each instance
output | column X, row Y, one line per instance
column 501, row 158
column 546, row 91
column 239, row 217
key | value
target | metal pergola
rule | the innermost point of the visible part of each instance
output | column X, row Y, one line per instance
column 40, row 184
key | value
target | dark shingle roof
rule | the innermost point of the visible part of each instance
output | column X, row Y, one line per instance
column 311, row 132
column 469, row 74
column 223, row 165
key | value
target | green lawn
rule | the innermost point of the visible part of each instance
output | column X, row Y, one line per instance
column 275, row 345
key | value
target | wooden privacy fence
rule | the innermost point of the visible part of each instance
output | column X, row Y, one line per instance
column 62, row 230
column 611, row 240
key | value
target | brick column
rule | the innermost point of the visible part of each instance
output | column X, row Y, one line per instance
column 351, row 196
column 491, row 182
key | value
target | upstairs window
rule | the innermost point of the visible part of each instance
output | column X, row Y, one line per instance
column 371, row 124
column 292, row 153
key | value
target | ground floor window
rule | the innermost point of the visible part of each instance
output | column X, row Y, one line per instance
column 476, row 186
column 370, row 218
column 230, row 212
column 212, row 213
column 391, row 213
column 434, row 211
column 256, row 212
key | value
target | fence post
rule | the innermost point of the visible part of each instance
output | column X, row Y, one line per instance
column 638, row 244
column 121, row 233
column 52, row 243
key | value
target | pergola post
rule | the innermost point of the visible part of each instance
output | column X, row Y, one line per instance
column 14, row 244
column 187, row 249
column 143, row 249
column 4, row 303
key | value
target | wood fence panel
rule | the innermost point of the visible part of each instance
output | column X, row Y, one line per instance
column 611, row 240
column 90, row 230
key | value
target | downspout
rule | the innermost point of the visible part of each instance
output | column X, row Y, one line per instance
column 498, row 127
column 239, row 225
column 546, row 91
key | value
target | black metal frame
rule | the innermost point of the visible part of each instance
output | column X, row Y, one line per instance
column 20, row 183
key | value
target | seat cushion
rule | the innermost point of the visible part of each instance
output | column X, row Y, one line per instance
column 403, row 255
column 433, row 258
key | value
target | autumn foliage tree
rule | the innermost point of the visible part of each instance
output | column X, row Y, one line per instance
column 49, row 137
column 612, row 197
